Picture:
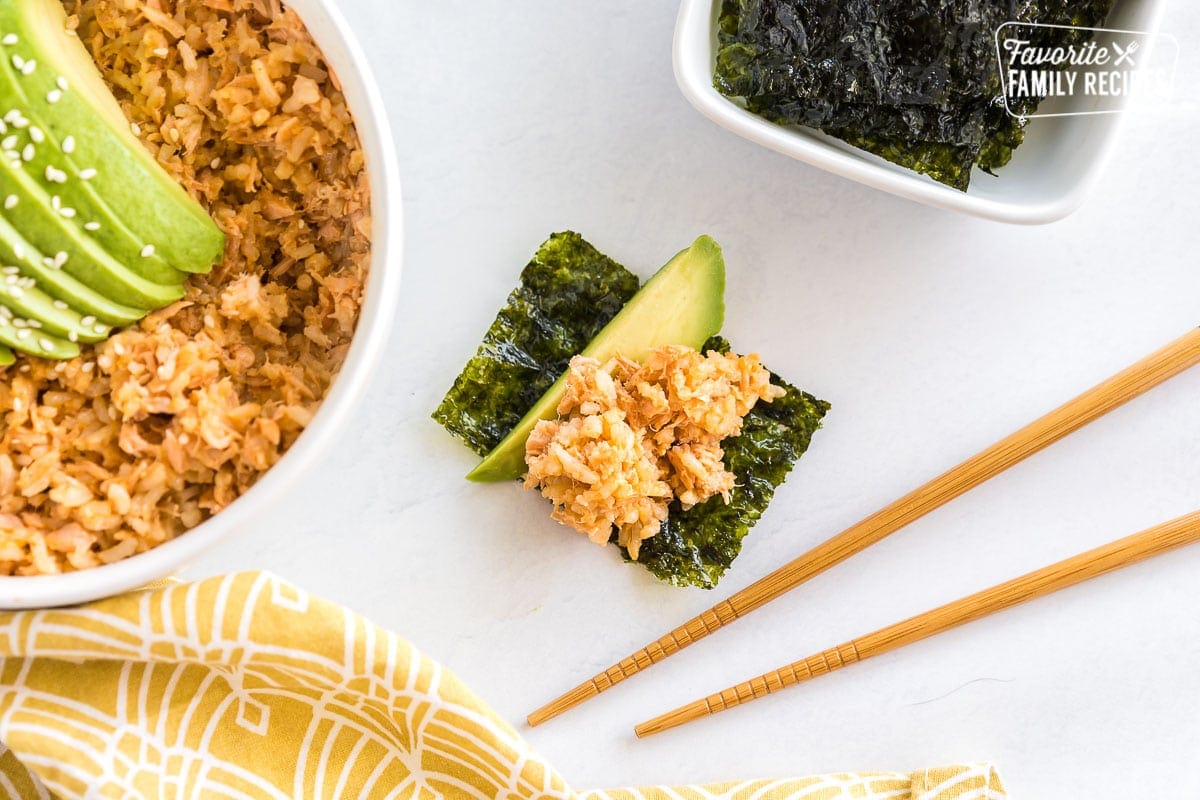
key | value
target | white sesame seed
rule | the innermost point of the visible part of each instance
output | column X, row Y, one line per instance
column 11, row 201
column 61, row 305
column 137, row 129
column 9, row 39
column 87, row 174
column 53, row 96
column 29, row 67
column 18, row 62
column 24, row 333
column 56, row 202
column 33, row 323
column 55, row 175
column 3, row 322
column 88, row 321
column 60, row 366
column 88, row 366
column 11, row 115
column 37, row 135
column 100, row 329
column 27, row 283
column 148, row 251
column 27, row 152
column 67, row 212
column 12, row 279
column 8, row 142
column 16, row 291
column 11, row 270
column 68, row 145
column 46, row 344
column 73, row 336
column 162, row 52
column 91, row 226
column 3, row 126
column 20, row 122
column 61, row 83
column 216, row 162
column 60, row 258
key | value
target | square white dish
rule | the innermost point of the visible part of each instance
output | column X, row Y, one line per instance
column 1050, row 174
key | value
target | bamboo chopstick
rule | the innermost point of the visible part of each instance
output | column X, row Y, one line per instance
column 1088, row 407
column 1077, row 569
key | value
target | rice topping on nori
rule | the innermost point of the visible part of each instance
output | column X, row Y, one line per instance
column 916, row 82
column 568, row 293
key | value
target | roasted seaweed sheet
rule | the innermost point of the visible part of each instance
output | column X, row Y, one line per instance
column 695, row 547
column 916, row 82
column 567, row 294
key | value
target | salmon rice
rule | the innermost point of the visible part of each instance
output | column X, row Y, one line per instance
column 151, row 432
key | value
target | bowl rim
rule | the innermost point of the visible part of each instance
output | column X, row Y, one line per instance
column 381, row 295
column 693, row 45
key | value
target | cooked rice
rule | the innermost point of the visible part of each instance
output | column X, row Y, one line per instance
column 630, row 439
column 148, row 434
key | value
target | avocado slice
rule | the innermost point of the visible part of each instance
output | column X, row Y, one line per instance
column 20, row 295
column 20, row 335
column 49, row 159
column 16, row 251
column 683, row 304
column 40, row 218
column 6, row 356
column 156, row 209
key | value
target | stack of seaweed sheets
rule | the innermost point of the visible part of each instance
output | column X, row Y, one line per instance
column 916, row 82
column 567, row 294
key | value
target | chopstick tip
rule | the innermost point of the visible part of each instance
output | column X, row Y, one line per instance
column 673, row 719
column 564, row 703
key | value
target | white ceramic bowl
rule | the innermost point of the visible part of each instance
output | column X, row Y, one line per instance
column 343, row 53
column 1047, row 179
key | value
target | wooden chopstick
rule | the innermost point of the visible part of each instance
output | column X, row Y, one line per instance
column 1077, row 569
column 1088, row 407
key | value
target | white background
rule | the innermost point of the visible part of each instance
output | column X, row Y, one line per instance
column 932, row 334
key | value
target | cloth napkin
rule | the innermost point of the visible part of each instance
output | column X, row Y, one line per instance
column 244, row 686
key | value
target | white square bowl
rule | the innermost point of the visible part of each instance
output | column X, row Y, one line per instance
column 1048, row 178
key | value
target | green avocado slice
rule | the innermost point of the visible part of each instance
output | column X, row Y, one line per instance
column 33, row 341
column 6, row 356
column 40, row 218
column 20, row 295
column 154, row 206
column 41, row 139
column 683, row 304
column 16, row 251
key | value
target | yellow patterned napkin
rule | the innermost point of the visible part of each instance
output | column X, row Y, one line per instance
column 246, row 687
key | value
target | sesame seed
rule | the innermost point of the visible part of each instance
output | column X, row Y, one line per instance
column 33, row 323
column 148, row 251
column 29, row 67
column 88, row 366
column 11, row 270
column 53, row 96
column 101, row 329
column 12, row 279
column 87, row 321
column 46, row 344
column 60, row 366
column 87, row 174
column 61, row 305
column 37, row 135
column 9, row 142
column 16, row 291
column 3, row 126
column 216, row 162
column 11, row 115
column 162, row 52
column 137, row 129
column 73, row 336
column 11, row 201
column 9, row 39
column 27, row 152
column 60, row 258
column 68, row 145
column 3, row 322
column 61, row 83
column 91, row 226
column 67, row 212
column 18, row 62
column 24, row 333
column 20, row 122
column 56, row 202
column 55, row 175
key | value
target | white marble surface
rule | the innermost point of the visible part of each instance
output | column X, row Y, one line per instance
column 931, row 334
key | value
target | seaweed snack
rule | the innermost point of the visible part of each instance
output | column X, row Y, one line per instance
column 625, row 409
column 914, row 82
